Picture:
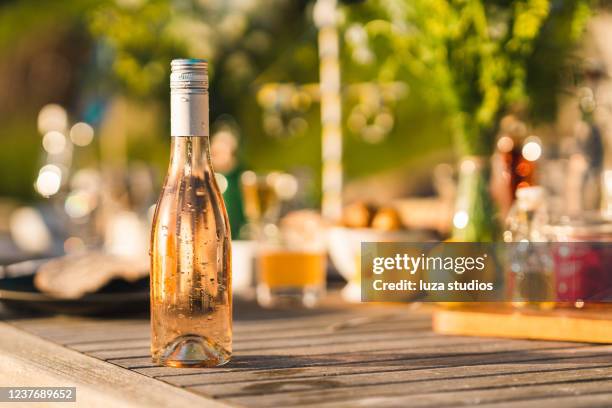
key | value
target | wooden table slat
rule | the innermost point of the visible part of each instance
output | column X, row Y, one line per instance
column 468, row 392
column 405, row 382
column 516, row 362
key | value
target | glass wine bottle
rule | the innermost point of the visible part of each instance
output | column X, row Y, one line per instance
column 191, row 303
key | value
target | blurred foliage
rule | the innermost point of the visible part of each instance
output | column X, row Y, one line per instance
column 20, row 19
column 243, row 43
column 18, row 175
column 552, row 61
column 142, row 37
column 134, row 40
column 248, row 48
column 27, row 30
column 480, row 58
column 414, row 72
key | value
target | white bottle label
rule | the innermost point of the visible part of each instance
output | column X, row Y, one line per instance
column 188, row 113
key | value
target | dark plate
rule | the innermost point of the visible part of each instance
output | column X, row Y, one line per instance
column 20, row 294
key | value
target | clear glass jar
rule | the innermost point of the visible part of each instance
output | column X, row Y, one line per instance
column 531, row 277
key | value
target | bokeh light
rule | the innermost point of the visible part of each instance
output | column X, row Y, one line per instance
column 49, row 180
column 81, row 134
column 532, row 149
column 286, row 186
column 29, row 231
column 52, row 117
column 461, row 219
column 79, row 204
column 505, row 144
column 468, row 166
column 54, row 142
column 248, row 178
column 221, row 182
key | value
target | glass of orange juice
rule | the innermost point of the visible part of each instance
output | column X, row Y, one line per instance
column 291, row 269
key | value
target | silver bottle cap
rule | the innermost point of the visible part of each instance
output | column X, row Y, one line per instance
column 189, row 75
column 189, row 97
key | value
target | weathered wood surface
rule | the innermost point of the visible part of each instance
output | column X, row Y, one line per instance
column 338, row 356
column 27, row 360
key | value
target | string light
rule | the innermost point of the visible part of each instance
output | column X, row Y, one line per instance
column 52, row 117
column 461, row 219
column 505, row 144
column 49, row 180
column 221, row 182
column 81, row 134
column 54, row 142
column 532, row 149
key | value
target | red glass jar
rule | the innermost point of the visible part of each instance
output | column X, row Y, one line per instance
column 582, row 256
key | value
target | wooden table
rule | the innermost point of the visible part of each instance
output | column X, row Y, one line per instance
column 337, row 356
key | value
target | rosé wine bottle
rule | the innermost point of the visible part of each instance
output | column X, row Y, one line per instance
column 191, row 301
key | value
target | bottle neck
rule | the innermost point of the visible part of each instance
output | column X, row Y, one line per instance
column 190, row 155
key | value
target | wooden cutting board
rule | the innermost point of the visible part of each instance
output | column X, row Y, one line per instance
column 590, row 326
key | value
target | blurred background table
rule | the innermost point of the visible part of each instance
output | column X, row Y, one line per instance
column 338, row 355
